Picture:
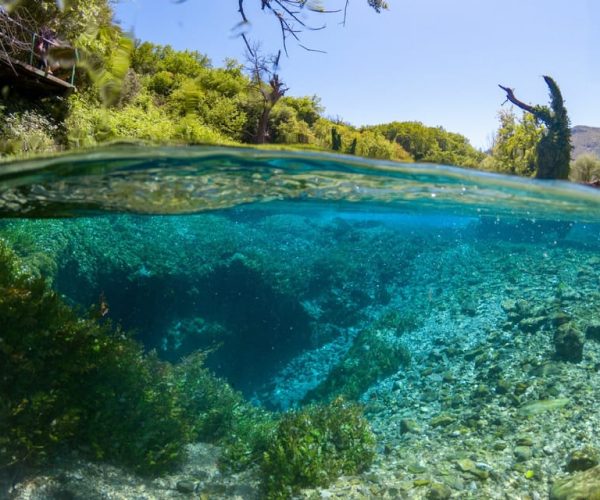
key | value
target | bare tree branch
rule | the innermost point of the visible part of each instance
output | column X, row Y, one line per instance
column 510, row 95
column 266, row 81
column 291, row 24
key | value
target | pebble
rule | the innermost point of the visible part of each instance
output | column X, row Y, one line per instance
column 523, row 453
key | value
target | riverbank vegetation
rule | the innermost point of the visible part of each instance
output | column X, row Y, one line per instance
column 147, row 92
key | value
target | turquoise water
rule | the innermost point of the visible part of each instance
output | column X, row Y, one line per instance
column 446, row 302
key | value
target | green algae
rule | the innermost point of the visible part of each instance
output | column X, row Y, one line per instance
column 72, row 382
column 376, row 352
column 582, row 485
column 313, row 446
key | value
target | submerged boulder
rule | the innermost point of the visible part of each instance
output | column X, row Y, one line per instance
column 568, row 342
column 583, row 459
column 592, row 331
column 579, row 486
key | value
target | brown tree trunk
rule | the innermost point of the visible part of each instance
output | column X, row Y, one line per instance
column 263, row 123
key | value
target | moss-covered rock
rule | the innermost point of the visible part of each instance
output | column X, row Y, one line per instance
column 376, row 352
column 542, row 406
column 568, row 342
column 579, row 486
column 583, row 459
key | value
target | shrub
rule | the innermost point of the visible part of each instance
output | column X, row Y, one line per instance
column 27, row 132
column 190, row 130
column 89, row 124
column 313, row 446
column 586, row 168
column 162, row 83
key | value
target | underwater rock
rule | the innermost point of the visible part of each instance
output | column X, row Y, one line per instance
column 186, row 486
column 469, row 307
column 524, row 441
column 466, row 465
column 415, row 468
column 473, row 353
column 544, row 405
column 442, row 420
column 547, row 370
column 409, row 425
column 532, row 324
column 509, row 305
column 568, row 342
column 592, row 332
column 583, row 459
column 523, row 453
column 439, row 491
column 580, row 486
column 559, row 318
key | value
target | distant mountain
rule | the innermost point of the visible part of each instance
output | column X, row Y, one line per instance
column 585, row 140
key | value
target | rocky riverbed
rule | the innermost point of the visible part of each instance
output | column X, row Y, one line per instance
column 500, row 398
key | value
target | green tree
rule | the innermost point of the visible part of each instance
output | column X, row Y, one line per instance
column 515, row 143
column 336, row 139
column 586, row 168
column 352, row 147
column 149, row 58
column 431, row 144
column 308, row 109
column 286, row 126
column 553, row 151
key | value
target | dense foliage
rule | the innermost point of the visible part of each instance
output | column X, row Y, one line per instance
column 154, row 93
column 553, row 149
column 431, row 144
column 586, row 168
column 315, row 445
column 69, row 382
column 514, row 145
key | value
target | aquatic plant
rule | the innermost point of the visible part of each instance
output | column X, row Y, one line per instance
column 219, row 414
column 313, row 446
column 376, row 352
column 251, row 432
column 73, row 383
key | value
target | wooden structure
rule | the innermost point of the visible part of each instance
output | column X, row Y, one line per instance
column 21, row 64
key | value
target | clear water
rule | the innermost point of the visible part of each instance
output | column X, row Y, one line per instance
column 274, row 263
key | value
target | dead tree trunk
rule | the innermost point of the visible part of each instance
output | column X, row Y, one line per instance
column 271, row 96
column 262, row 68
column 553, row 152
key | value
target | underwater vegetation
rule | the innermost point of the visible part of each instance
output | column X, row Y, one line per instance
column 71, row 383
column 234, row 353
column 376, row 352
column 315, row 445
column 67, row 382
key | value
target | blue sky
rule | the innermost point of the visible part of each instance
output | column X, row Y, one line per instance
column 436, row 61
